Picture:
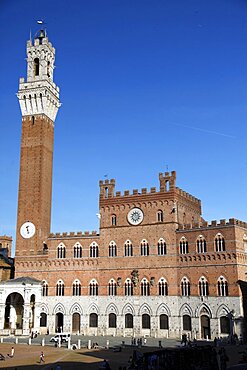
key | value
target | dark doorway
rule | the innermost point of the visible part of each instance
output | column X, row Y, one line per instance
column 59, row 322
column 76, row 322
column 205, row 327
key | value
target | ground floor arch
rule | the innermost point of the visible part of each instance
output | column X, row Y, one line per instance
column 59, row 322
column 205, row 327
column 76, row 322
column 13, row 317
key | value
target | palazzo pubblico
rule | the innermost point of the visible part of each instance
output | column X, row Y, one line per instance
column 156, row 268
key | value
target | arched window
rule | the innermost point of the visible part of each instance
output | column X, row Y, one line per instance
column 144, row 248
column 43, row 319
column 222, row 287
column 112, row 287
column 219, row 242
column 36, row 66
column 146, row 321
column 201, row 244
column 164, row 323
column 76, row 287
column 186, row 322
column 60, row 288
column 61, row 251
column 44, row 288
column 160, row 216
column 112, row 249
column 185, row 287
column 161, row 247
column 93, row 287
column 203, row 287
column 114, row 220
column 128, row 287
column 93, row 320
column 77, row 250
column 145, row 287
column 94, row 250
column 183, row 245
column 225, row 325
column 48, row 68
column 128, row 249
column 112, row 320
column 129, row 321
column 163, row 287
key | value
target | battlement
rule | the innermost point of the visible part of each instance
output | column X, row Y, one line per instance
column 5, row 238
column 72, row 234
column 213, row 223
column 184, row 194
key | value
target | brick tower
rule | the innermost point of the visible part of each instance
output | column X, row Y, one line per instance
column 39, row 103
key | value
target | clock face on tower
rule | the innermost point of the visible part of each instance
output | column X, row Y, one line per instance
column 135, row 216
column 27, row 230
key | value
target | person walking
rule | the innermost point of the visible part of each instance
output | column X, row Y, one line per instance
column 41, row 357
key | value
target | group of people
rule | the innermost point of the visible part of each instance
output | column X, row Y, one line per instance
column 138, row 342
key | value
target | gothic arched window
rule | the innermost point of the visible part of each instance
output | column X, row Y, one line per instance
column 222, row 287
column 128, row 249
column 36, row 66
column 163, row 287
column 112, row 287
column 145, row 287
column 77, row 288
column 93, row 320
column 61, row 251
column 201, row 244
column 183, row 245
column 203, row 287
column 164, row 323
column 93, row 287
column 112, row 320
column 60, row 288
column 161, row 247
column 219, row 242
column 128, row 287
column 44, row 289
column 112, row 249
column 129, row 321
column 94, row 250
column 144, row 248
column 77, row 250
column 185, row 287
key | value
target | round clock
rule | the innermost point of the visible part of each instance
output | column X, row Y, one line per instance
column 27, row 230
column 135, row 216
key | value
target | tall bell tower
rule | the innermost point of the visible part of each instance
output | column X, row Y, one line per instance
column 39, row 102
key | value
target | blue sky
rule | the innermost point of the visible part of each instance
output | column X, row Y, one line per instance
column 145, row 85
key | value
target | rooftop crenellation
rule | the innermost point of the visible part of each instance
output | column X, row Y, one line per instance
column 73, row 234
column 212, row 224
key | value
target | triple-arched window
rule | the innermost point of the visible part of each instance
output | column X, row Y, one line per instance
column 61, row 251
column 183, row 246
column 222, row 287
column 144, row 248
column 93, row 287
column 77, row 288
column 203, row 287
column 128, row 287
column 77, row 250
column 112, row 249
column 163, row 287
column 185, row 287
column 112, row 287
column 94, row 250
column 201, row 244
column 145, row 287
column 219, row 242
column 60, row 288
column 128, row 249
column 161, row 247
